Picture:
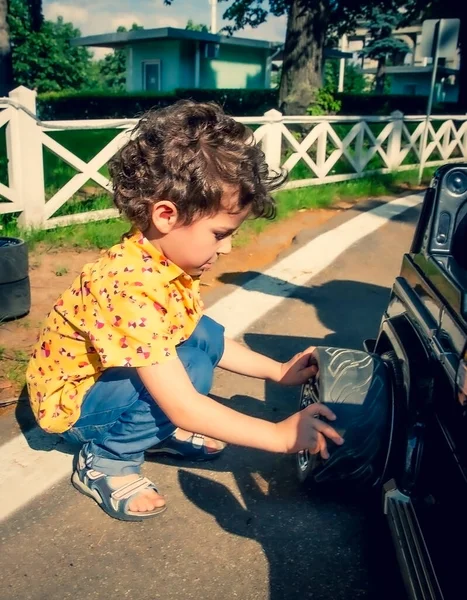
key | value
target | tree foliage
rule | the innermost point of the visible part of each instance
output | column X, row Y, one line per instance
column 33, row 10
column 112, row 68
column 382, row 45
column 192, row 26
column 354, row 80
column 44, row 59
column 310, row 23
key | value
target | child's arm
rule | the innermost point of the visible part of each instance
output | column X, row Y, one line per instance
column 242, row 360
column 171, row 387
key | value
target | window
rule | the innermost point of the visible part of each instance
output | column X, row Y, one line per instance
column 152, row 75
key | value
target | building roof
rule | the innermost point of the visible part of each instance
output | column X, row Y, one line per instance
column 124, row 38
column 278, row 55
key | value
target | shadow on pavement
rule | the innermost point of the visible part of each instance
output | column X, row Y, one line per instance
column 351, row 309
column 318, row 545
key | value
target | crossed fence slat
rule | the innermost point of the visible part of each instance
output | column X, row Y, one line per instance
column 320, row 150
column 88, row 170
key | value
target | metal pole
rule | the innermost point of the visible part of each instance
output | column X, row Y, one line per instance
column 430, row 102
column 343, row 47
column 213, row 4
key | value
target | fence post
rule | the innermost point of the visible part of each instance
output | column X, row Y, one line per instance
column 25, row 161
column 395, row 141
column 272, row 140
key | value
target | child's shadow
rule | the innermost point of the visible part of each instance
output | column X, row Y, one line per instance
column 320, row 547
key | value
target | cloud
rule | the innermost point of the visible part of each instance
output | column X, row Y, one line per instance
column 73, row 14
column 127, row 20
column 106, row 15
column 272, row 31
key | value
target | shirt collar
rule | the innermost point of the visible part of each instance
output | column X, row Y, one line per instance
column 166, row 268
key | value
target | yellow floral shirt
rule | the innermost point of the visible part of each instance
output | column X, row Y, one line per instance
column 131, row 308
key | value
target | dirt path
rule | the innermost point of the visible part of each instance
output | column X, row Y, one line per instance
column 52, row 270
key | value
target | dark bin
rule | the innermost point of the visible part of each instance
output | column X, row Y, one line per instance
column 15, row 291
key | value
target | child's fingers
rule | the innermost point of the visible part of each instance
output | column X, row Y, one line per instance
column 320, row 446
column 327, row 430
column 321, row 409
column 323, row 447
column 310, row 372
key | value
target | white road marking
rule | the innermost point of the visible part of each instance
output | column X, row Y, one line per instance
column 31, row 464
column 238, row 310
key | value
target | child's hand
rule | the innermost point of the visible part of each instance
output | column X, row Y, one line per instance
column 298, row 369
column 303, row 431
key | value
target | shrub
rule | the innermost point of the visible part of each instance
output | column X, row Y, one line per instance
column 385, row 104
column 101, row 105
column 97, row 105
column 326, row 103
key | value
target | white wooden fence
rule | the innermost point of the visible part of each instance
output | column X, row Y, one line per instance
column 319, row 143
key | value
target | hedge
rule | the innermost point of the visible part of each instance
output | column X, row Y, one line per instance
column 384, row 104
column 102, row 105
column 237, row 102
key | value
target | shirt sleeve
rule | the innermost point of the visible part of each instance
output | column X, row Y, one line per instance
column 131, row 328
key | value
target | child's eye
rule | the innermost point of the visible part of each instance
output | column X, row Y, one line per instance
column 221, row 236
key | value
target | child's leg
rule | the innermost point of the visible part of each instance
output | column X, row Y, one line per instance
column 120, row 420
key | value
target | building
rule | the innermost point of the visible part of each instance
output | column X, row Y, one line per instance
column 162, row 60
column 411, row 73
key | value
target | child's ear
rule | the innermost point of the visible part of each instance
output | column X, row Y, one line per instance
column 164, row 216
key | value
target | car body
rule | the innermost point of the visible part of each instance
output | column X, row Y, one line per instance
column 402, row 403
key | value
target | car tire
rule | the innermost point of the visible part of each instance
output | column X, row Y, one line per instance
column 357, row 387
column 15, row 293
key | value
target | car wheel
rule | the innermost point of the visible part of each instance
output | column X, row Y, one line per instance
column 357, row 387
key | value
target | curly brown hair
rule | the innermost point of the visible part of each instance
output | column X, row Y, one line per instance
column 186, row 153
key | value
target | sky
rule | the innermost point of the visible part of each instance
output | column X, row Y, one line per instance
column 104, row 16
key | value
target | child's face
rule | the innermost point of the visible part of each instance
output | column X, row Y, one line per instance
column 195, row 247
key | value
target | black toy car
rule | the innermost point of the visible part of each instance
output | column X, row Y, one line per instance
column 402, row 403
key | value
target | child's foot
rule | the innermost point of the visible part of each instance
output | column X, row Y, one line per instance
column 189, row 446
column 146, row 501
column 128, row 497
column 210, row 444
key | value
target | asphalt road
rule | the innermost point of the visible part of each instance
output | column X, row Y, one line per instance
column 241, row 527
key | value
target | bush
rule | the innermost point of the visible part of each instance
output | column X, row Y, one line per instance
column 102, row 105
column 239, row 103
column 119, row 105
column 325, row 103
column 97, row 105
column 385, row 104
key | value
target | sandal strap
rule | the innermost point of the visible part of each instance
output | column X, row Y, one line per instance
column 130, row 489
column 197, row 440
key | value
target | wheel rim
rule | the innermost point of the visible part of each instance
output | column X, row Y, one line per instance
column 310, row 395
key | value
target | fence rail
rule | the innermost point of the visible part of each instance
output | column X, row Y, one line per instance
column 315, row 150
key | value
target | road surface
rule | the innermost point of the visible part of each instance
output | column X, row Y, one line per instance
column 241, row 527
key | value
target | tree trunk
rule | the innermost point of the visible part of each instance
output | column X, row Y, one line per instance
column 35, row 11
column 303, row 54
column 380, row 76
column 6, row 66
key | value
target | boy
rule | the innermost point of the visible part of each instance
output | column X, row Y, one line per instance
column 125, row 359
